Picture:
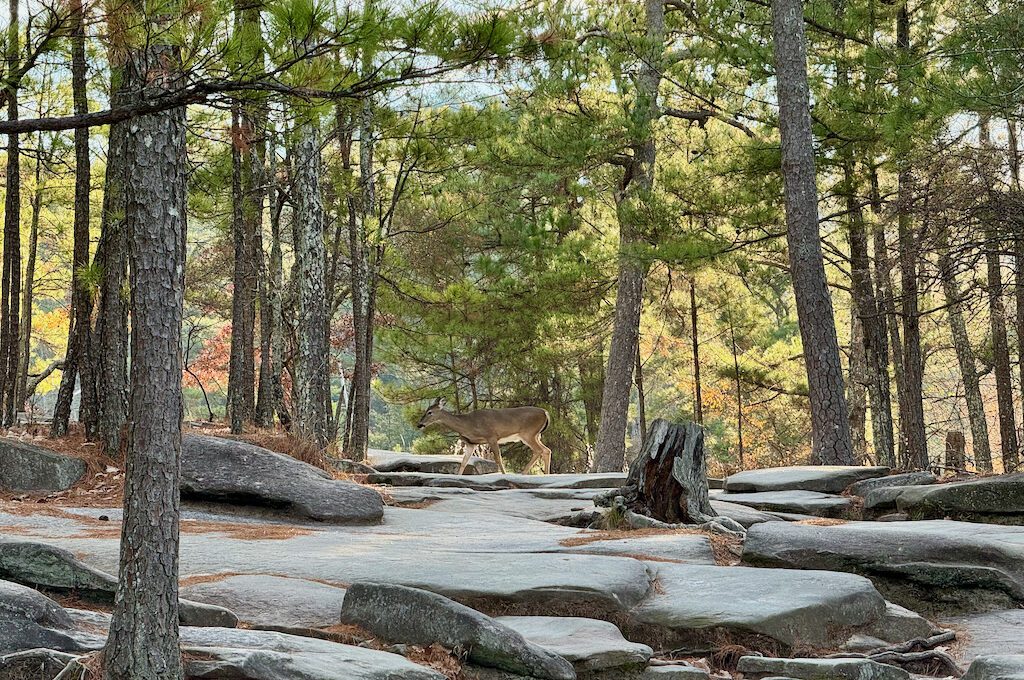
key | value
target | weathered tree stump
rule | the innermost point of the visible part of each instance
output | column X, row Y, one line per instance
column 956, row 450
column 668, row 481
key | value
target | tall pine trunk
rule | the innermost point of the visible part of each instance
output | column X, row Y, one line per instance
column 636, row 189
column 248, row 152
column 830, row 427
column 912, row 431
column 312, row 379
column 358, row 428
column 30, row 274
column 143, row 639
column 965, row 357
column 78, row 359
column 110, row 329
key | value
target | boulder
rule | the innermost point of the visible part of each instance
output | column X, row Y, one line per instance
column 391, row 461
column 589, row 644
column 757, row 667
column 796, row 609
column 673, row 547
column 272, row 600
column 882, row 501
column 51, row 568
column 899, row 624
column 30, row 620
column 998, row 499
column 34, row 664
column 801, row 502
column 202, row 615
column 822, row 478
column 226, row 471
column 906, row 479
column 26, row 467
column 413, row 616
column 928, row 566
column 1000, row 667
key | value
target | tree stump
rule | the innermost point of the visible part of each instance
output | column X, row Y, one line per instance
column 668, row 481
column 956, row 450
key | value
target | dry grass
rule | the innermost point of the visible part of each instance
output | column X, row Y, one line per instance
column 207, row 578
column 435, row 656
column 822, row 522
column 726, row 549
column 245, row 531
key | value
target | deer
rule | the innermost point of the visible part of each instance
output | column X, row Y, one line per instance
column 493, row 427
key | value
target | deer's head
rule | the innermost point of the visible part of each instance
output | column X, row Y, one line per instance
column 432, row 414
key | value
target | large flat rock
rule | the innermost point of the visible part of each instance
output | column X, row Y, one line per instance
column 546, row 505
column 930, row 566
column 743, row 514
column 804, row 608
column 259, row 599
column 589, row 644
column 991, row 633
column 905, row 479
column 236, row 473
column 823, row 478
column 475, row 559
column 998, row 499
column 396, row 461
column 800, row 502
column 494, row 482
column 27, row 467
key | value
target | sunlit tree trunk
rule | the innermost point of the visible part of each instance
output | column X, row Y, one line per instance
column 312, row 386
column 830, row 427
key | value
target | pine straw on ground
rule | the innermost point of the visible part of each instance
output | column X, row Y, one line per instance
column 726, row 549
column 822, row 522
column 434, row 656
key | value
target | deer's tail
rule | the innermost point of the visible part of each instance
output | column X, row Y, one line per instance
column 547, row 421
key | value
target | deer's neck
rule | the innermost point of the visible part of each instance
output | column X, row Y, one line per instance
column 453, row 421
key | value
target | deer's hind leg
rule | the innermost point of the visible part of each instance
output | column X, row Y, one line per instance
column 541, row 454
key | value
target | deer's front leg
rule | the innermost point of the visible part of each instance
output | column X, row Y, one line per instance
column 467, row 451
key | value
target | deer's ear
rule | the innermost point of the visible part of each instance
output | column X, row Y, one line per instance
column 441, row 403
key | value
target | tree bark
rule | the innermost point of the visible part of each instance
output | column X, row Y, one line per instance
column 830, row 427
column 78, row 360
column 872, row 322
column 275, row 294
column 110, row 329
column 965, row 358
column 637, row 186
column 856, row 386
column 143, row 640
column 1018, row 247
column 591, row 368
column 28, row 292
column 1000, row 352
column 312, row 386
column 248, row 152
column 10, row 286
column 698, row 399
column 359, row 229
